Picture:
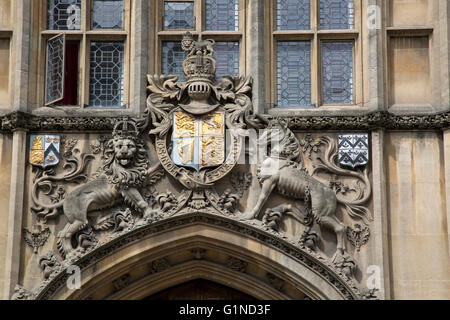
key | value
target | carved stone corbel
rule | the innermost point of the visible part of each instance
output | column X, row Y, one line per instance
column 236, row 264
column 121, row 282
column 159, row 265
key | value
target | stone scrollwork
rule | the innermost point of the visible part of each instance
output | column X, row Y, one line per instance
column 45, row 181
column 125, row 169
column 197, row 130
column 197, row 99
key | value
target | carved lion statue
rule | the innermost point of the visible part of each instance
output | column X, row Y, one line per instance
column 125, row 169
column 204, row 46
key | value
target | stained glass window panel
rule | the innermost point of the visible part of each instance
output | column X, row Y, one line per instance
column 337, row 14
column 222, row 15
column 293, row 14
column 294, row 73
column 64, row 14
column 178, row 15
column 227, row 58
column 107, row 14
column 172, row 59
column 54, row 84
column 337, row 72
column 106, row 76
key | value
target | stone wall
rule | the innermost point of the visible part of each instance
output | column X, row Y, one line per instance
column 410, row 168
column 419, row 255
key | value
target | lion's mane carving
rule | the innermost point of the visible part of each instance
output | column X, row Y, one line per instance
column 132, row 175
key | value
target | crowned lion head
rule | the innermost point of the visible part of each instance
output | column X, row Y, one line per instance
column 126, row 160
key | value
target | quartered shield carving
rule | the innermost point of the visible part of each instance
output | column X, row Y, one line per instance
column 44, row 150
column 198, row 141
column 353, row 149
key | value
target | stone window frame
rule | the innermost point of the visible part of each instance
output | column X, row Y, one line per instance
column 430, row 30
column 85, row 35
column 7, row 35
column 159, row 34
column 316, row 36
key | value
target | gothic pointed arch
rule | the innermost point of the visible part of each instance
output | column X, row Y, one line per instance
column 153, row 258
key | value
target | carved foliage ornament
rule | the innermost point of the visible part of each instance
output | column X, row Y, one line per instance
column 36, row 239
column 196, row 130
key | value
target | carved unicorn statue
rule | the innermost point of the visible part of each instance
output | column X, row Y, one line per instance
column 282, row 170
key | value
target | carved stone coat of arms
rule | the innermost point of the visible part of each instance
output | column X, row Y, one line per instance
column 191, row 136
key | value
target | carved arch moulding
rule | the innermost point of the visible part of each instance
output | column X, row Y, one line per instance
column 180, row 164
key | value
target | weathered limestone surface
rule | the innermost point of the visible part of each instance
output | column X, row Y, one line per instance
column 410, row 170
column 420, row 259
column 5, row 180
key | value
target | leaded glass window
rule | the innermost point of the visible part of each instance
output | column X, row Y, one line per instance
column 222, row 15
column 337, row 14
column 107, row 14
column 294, row 73
column 219, row 20
column 337, row 72
column 106, row 77
column 172, row 59
column 99, row 66
column 54, row 82
column 315, row 42
column 64, row 14
column 227, row 58
column 293, row 14
column 178, row 15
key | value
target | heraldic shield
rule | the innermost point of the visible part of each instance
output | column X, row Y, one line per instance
column 353, row 149
column 198, row 141
column 44, row 150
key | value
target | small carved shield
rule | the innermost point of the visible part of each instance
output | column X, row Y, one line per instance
column 198, row 141
column 353, row 149
column 44, row 150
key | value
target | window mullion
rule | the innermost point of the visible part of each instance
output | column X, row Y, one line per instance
column 84, row 72
column 84, row 15
column 315, row 71
column 315, row 15
column 199, row 14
